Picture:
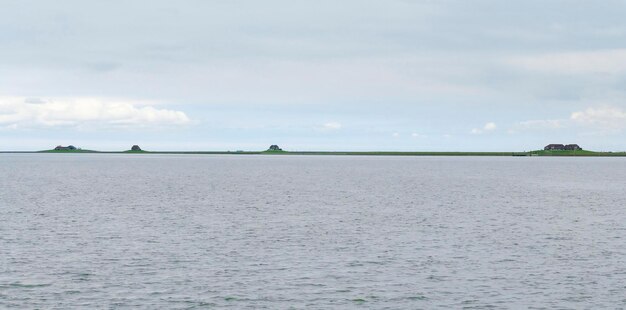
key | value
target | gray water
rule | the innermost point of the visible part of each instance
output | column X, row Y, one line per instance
column 278, row 232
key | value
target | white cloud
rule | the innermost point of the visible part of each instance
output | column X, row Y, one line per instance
column 599, row 61
column 415, row 135
column 603, row 118
column 84, row 112
column 490, row 126
column 331, row 126
column 542, row 124
column 395, row 134
column 9, row 127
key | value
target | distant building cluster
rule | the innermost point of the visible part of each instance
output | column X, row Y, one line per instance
column 562, row 147
column 65, row 148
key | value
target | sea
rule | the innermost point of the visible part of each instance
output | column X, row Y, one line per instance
column 147, row 231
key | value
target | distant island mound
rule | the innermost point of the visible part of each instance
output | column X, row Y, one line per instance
column 556, row 149
column 274, row 149
column 68, row 149
column 135, row 149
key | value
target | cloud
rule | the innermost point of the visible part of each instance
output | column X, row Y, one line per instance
column 600, row 61
column 490, row 126
column 415, row 135
column 9, row 127
column 84, row 112
column 33, row 100
column 602, row 118
column 549, row 124
column 395, row 134
column 331, row 126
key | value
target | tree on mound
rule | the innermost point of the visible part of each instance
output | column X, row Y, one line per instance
column 274, row 148
column 136, row 148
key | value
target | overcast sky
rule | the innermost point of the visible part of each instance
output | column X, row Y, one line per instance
column 313, row 75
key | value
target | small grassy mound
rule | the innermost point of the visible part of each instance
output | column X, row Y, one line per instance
column 274, row 152
column 68, row 151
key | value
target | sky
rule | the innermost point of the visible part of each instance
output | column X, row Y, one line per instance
column 393, row 75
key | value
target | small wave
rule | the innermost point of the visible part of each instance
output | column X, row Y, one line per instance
column 24, row 285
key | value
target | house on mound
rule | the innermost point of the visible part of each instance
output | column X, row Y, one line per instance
column 65, row 148
column 562, row 147
column 573, row 147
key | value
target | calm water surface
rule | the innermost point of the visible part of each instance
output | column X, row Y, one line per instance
column 278, row 232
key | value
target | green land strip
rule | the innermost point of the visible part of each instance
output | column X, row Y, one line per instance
column 582, row 153
column 67, row 151
column 378, row 153
column 578, row 153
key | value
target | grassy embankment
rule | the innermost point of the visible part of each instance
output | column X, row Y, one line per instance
column 378, row 153
column 581, row 153
column 144, row 152
column 68, row 151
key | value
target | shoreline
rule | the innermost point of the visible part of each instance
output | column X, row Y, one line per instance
column 344, row 153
